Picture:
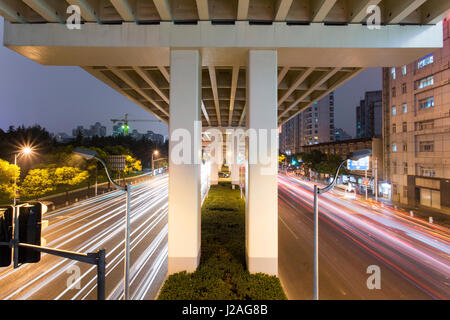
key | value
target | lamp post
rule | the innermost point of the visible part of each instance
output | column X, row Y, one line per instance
column 27, row 150
column 154, row 153
column 90, row 154
column 357, row 155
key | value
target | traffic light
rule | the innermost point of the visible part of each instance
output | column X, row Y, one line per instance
column 6, row 231
column 30, row 227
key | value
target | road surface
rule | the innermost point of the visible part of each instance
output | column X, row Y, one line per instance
column 413, row 256
column 91, row 225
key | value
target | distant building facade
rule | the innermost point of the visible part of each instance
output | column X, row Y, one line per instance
column 416, row 102
column 95, row 130
column 118, row 129
column 341, row 135
column 369, row 115
column 314, row 125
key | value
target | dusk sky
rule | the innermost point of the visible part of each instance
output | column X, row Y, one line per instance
column 60, row 98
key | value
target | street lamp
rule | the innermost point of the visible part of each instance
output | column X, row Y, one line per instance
column 357, row 155
column 26, row 150
column 91, row 154
column 154, row 153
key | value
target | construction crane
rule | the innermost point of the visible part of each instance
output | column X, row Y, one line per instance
column 125, row 121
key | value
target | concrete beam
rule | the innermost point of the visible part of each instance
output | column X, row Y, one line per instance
column 132, row 84
column 100, row 76
column 212, row 77
column 147, row 78
column 300, row 79
column 241, row 120
column 202, row 9
column 242, row 11
column 88, row 10
column 282, row 74
column 11, row 10
column 358, row 9
column 434, row 11
column 47, row 11
column 164, row 72
column 318, row 82
column 282, row 9
column 125, row 9
column 346, row 77
column 234, row 80
column 149, row 45
column 163, row 8
column 321, row 8
column 397, row 11
column 205, row 113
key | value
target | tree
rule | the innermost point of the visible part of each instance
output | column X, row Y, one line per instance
column 37, row 183
column 132, row 165
column 313, row 159
column 7, row 174
column 69, row 176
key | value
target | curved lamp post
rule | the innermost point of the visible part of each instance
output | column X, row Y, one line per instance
column 357, row 155
column 91, row 154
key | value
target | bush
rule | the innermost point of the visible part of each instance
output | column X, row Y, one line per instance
column 222, row 274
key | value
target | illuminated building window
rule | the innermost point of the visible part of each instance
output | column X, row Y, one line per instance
column 393, row 73
column 394, row 110
column 426, row 103
column 428, row 81
column 404, row 70
column 394, row 147
column 404, row 108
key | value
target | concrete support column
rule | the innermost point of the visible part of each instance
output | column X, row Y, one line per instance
column 214, row 177
column 261, row 171
column 184, row 160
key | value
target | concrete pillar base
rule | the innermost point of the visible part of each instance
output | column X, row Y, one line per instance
column 263, row 265
column 179, row 264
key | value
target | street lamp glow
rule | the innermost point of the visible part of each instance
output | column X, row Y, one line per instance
column 27, row 150
column 156, row 152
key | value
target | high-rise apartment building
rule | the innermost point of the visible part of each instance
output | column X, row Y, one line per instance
column 313, row 125
column 341, row 135
column 95, row 130
column 369, row 115
column 416, row 126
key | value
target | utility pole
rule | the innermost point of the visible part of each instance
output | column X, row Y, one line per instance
column 127, row 244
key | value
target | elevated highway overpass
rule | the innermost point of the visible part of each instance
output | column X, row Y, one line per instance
column 203, row 64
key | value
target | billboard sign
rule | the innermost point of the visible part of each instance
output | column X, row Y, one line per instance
column 362, row 164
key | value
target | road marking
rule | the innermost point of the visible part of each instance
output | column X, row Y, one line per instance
column 293, row 233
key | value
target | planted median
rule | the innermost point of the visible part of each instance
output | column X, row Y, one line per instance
column 222, row 273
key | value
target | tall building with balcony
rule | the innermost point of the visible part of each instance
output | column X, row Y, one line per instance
column 416, row 127
column 369, row 115
column 312, row 126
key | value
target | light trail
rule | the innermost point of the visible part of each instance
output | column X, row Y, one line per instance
column 417, row 250
column 88, row 226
